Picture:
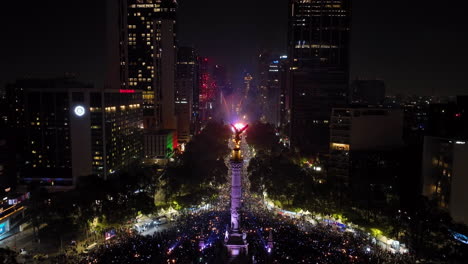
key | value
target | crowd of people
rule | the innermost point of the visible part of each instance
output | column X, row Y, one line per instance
column 180, row 244
column 321, row 243
column 198, row 237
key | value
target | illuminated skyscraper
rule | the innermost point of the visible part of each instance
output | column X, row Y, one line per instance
column 444, row 170
column 152, row 58
column 318, row 45
column 208, row 90
column 142, row 53
column 264, row 59
column 187, row 97
column 271, row 98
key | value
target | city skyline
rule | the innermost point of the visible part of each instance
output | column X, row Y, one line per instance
column 123, row 132
column 402, row 52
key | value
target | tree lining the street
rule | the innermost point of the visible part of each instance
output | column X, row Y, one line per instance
column 262, row 136
column 198, row 171
column 112, row 202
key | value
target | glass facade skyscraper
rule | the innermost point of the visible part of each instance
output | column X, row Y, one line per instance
column 318, row 45
column 151, row 59
column 186, row 97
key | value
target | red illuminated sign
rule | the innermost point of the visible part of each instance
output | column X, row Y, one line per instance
column 127, row 91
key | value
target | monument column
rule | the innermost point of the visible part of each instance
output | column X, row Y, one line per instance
column 235, row 241
column 236, row 193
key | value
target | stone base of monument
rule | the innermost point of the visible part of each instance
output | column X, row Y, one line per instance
column 236, row 245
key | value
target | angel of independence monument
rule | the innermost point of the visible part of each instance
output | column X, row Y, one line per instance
column 235, row 240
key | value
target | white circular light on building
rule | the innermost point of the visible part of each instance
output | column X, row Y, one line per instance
column 79, row 110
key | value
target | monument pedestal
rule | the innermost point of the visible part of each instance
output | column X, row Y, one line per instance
column 236, row 245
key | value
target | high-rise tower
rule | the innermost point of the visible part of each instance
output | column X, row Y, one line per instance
column 187, row 95
column 152, row 59
column 318, row 46
column 208, row 90
column 142, row 57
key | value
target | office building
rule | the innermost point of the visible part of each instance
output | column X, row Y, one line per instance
column 416, row 117
column 7, row 146
column 367, row 92
column 186, row 93
column 152, row 59
column 116, row 74
column 160, row 144
column 142, row 55
column 318, row 47
column 285, row 103
column 448, row 119
column 145, row 59
column 354, row 130
column 14, row 102
column 72, row 130
column 8, row 162
column 208, row 90
column 264, row 60
column 445, row 175
column 271, row 93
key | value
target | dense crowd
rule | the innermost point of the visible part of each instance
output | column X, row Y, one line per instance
column 180, row 244
column 322, row 243
column 198, row 238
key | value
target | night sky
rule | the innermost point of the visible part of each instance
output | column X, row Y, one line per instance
column 415, row 46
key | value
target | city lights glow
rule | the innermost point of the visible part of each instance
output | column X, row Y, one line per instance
column 460, row 237
column 239, row 126
column 127, row 91
column 79, row 110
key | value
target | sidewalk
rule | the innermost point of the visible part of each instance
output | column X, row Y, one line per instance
column 18, row 240
column 25, row 239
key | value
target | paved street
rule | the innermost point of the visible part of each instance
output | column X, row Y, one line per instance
column 26, row 241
